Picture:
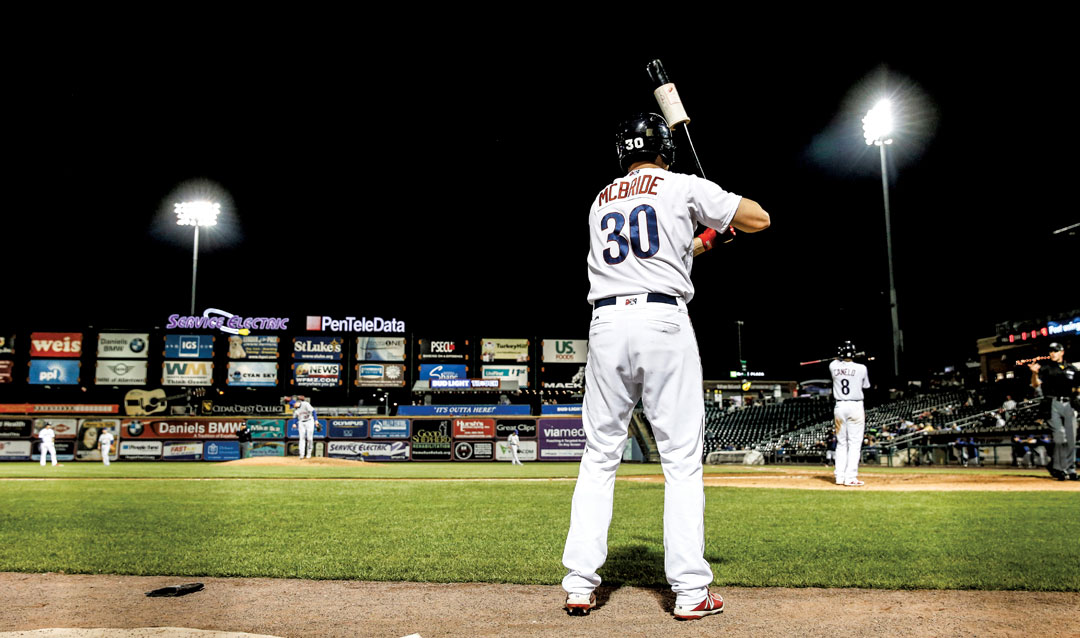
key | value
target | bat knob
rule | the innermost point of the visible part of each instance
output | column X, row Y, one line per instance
column 656, row 73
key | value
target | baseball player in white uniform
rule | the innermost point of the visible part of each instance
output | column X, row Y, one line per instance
column 642, row 346
column 514, row 442
column 305, row 425
column 849, row 380
column 105, row 440
column 47, row 435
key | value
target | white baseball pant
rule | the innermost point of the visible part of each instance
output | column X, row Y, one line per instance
column 514, row 450
column 48, row 448
column 852, row 421
column 105, row 454
column 306, row 430
column 647, row 351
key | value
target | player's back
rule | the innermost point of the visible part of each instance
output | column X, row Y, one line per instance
column 642, row 231
column 849, row 380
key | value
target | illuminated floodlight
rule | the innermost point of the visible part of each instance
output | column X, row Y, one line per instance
column 878, row 124
column 199, row 213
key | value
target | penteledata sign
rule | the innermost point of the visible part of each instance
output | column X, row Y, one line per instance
column 123, row 345
column 354, row 324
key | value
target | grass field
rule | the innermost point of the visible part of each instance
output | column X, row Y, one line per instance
column 513, row 531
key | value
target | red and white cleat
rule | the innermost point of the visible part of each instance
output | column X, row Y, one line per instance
column 855, row 483
column 580, row 604
column 713, row 604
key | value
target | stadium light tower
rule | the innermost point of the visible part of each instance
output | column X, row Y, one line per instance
column 199, row 213
column 877, row 129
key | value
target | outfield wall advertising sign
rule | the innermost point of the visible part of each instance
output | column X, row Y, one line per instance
column 86, row 443
column 379, row 375
column 474, row 428
column 380, row 348
column 267, row 448
column 390, row 428
column 318, row 348
column 266, row 428
column 64, row 428
column 566, row 409
column 431, row 440
column 570, row 377
column 221, row 450
column 293, row 431
column 317, row 375
column 140, row 450
column 504, row 350
column 347, row 428
column 186, row 373
column 354, row 324
column 526, row 451
column 15, row 450
column 112, row 372
column 123, row 345
column 65, row 451
column 182, row 451
column 16, row 429
column 505, row 427
column 561, row 439
column 252, row 374
column 54, row 372
column 56, row 344
column 189, row 346
column 369, row 450
column 181, row 428
column 474, row 450
column 292, row 448
column 6, row 375
column 565, row 350
column 253, row 347
column 7, row 343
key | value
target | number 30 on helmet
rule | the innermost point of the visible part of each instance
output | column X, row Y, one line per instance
column 642, row 138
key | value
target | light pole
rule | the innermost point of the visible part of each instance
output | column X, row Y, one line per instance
column 877, row 128
column 200, row 213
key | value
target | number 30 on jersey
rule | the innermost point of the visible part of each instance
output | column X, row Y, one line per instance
column 613, row 224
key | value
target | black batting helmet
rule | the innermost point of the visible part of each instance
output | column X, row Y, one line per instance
column 846, row 350
column 642, row 138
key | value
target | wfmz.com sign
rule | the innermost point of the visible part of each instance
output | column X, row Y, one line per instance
column 189, row 346
column 252, row 374
column 317, row 375
column 187, row 373
column 380, row 348
column 54, row 372
column 317, row 348
column 565, row 350
column 110, row 372
column 123, row 345
column 379, row 375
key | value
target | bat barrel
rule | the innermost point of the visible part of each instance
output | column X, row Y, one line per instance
column 656, row 73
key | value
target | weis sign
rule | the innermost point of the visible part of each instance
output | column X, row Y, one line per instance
column 56, row 344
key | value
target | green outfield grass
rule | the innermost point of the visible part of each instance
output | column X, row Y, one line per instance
column 513, row 531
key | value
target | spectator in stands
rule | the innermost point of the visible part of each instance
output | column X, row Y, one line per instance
column 999, row 418
column 1009, row 404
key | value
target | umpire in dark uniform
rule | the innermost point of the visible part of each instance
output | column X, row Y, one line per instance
column 1058, row 381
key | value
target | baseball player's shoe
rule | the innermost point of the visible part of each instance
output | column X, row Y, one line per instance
column 713, row 604
column 855, row 483
column 580, row 604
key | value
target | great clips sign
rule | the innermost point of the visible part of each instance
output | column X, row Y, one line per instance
column 56, row 344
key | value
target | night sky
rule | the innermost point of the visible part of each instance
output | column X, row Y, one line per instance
column 452, row 191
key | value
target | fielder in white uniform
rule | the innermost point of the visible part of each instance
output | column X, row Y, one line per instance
column 305, row 425
column 105, row 440
column 47, row 436
column 513, row 441
column 849, row 380
column 642, row 346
